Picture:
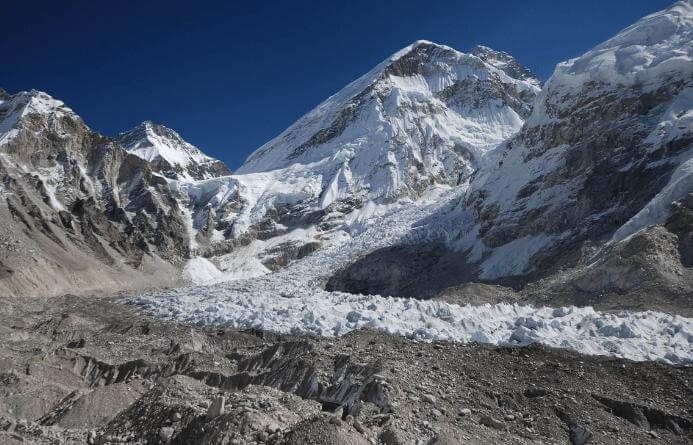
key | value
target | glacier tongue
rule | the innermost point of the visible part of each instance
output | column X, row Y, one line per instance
column 292, row 301
column 633, row 335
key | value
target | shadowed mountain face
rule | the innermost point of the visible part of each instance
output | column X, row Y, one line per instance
column 605, row 153
column 556, row 184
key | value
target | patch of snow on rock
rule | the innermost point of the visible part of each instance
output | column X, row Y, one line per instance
column 201, row 271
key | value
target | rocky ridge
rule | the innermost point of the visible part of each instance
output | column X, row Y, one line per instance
column 80, row 210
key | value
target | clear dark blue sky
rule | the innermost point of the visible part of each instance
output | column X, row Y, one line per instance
column 231, row 75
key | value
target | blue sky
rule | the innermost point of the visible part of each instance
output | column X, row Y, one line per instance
column 229, row 76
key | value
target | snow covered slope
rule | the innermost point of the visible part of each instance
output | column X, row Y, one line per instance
column 425, row 115
column 169, row 153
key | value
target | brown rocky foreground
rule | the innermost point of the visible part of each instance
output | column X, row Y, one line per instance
column 89, row 370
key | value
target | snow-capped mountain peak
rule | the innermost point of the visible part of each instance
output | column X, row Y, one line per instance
column 423, row 116
column 34, row 102
column 654, row 48
column 505, row 62
column 170, row 153
column 15, row 108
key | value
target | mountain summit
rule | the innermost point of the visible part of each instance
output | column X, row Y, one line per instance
column 426, row 115
column 505, row 62
column 169, row 153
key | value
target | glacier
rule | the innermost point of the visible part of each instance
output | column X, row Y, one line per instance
column 292, row 301
column 632, row 335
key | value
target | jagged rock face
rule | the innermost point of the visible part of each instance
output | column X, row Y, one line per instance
column 424, row 116
column 680, row 223
column 648, row 269
column 169, row 154
column 605, row 152
column 80, row 190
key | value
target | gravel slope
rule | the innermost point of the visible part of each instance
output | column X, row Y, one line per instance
column 78, row 369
